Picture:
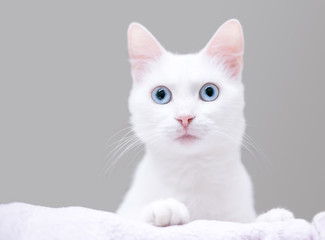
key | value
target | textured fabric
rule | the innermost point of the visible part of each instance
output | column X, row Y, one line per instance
column 19, row 221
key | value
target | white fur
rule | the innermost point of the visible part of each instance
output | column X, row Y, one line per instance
column 275, row 215
column 202, row 179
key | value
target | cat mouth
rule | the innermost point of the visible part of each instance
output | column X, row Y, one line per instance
column 186, row 138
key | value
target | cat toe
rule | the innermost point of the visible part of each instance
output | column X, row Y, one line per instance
column 166, row 213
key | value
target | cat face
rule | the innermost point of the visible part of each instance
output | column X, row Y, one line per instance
column 190, row 102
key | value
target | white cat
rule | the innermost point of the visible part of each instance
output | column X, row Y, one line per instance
column 188, row 111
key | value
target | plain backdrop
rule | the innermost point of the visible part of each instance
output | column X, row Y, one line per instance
column 64, row 83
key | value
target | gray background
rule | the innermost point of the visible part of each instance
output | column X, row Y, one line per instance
column 64, row 83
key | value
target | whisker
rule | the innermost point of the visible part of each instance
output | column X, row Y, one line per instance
column 108, row 144
column 118, row 146
column 258, row 150
column 246, row 142
column 128, row 142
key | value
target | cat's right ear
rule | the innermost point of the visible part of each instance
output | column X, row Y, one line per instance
column 227, row 46
column 143, row 50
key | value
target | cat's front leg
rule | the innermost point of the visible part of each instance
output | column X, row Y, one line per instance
column 275, row 215
column 166, row 212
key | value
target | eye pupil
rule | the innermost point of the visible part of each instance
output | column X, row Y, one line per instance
column 160, row 94
column 209, row 91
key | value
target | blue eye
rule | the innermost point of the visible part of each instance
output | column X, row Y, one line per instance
column 161, row 95
column 209, row 92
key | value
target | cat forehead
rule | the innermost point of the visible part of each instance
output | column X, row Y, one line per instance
column 174, row 68
column 183, row 62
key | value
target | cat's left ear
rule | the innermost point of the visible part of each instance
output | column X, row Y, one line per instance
column 144, row 49
column 227, row 47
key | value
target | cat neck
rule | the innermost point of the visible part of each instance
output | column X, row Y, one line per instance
column 208, row 157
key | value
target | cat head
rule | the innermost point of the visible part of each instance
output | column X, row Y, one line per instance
column 187, row 103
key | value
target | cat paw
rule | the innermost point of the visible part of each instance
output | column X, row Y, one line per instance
column 275, row 215
column 166, row 213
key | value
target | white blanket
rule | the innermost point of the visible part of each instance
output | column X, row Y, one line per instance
column 19, row 221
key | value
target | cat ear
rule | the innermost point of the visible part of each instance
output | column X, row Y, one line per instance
column 227, row 47
column 143, row 49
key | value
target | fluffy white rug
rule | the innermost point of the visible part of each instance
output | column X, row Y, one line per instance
column 19, row 221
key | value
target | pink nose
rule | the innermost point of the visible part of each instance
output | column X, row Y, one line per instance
column 185, row 120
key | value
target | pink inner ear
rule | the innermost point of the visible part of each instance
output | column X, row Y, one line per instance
column 138, row 67
column 143, row 49
column 234, row 64
column 227, row 45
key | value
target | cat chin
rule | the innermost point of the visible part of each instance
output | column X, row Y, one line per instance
column 187, row 139
column 185, row 146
